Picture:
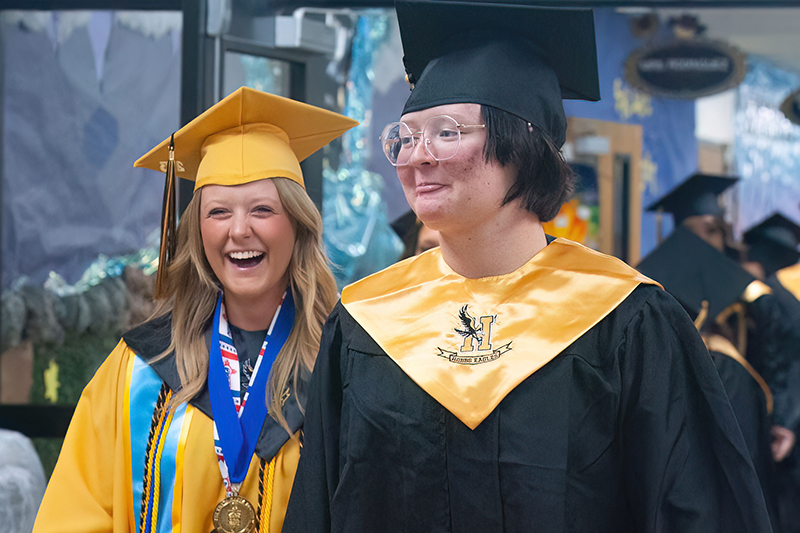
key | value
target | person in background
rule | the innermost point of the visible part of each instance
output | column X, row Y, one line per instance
column 193, row 421
column 771, row 248
column 706, row 283
column 504, row 381
column 763, row 323
column 416, row 236
column 771, row 255
column 695, row 203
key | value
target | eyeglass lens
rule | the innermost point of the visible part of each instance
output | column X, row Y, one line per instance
column 440, row 136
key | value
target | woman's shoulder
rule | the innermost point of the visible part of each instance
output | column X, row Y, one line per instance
column 150, row 338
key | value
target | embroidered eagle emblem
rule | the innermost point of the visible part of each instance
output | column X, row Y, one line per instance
column 468, row 321
column 476, row 347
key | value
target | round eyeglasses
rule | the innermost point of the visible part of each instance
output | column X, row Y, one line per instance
column 441, row 136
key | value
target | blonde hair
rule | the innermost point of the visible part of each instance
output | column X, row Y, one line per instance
column 192, row 290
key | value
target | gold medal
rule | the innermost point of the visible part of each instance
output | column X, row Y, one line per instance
column 234, row 514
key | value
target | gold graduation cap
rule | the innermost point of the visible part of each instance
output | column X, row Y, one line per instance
column 247, row 136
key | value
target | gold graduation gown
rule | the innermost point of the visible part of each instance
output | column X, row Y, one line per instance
column 97, row 484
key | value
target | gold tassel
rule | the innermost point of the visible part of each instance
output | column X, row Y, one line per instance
column 167, row 250
column 701, row 316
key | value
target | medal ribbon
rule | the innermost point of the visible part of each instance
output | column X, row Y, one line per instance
column 237, row 429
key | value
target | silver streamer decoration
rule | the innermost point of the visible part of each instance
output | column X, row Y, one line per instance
column 767, row 145
column 112, row 294
column 357, row 235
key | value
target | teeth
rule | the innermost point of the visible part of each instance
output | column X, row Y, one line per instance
column 244, row 255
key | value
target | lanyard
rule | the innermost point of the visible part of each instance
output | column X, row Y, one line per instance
column 236, row 428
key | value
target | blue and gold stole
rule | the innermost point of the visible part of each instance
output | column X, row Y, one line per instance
column 156, row 447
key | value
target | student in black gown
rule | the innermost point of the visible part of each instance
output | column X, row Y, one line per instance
column 771, row 254
column 706, row 282
column 505, row 381
column 765, row 320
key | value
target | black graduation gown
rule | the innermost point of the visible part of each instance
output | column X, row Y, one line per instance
column 786, row 389
column 773, row 348
column 750, row 407
column 628, row 429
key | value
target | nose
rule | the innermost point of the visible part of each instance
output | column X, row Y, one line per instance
column 420, row 154
column 240, row 226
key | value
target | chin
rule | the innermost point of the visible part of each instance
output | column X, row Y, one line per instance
column 437, row 217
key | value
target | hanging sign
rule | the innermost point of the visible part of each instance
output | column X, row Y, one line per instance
column 685, row 68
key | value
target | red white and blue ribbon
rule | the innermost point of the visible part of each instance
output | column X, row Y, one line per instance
column 237, row 429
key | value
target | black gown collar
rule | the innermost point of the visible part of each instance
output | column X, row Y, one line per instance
column 153, row 337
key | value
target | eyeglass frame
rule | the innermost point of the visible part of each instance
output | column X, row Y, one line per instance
column 419, row 134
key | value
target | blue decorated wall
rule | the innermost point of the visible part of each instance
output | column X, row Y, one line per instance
column 669, row 147
column 766, row 146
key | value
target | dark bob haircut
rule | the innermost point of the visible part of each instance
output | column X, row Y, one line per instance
column 544, row 180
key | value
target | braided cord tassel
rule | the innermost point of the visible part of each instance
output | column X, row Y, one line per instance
column 266, row 482
column 152, row 468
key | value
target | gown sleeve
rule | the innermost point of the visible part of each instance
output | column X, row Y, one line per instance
column 773, row 348
column 750, row 407
column 686, row 466
column 85, row 493
column 318, row 470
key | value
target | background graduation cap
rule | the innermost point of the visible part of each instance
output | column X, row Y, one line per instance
column 773, row 243
column 693, row 271
column 407, row 227
column 518, row 58
column 404, row 223
column 697, row 195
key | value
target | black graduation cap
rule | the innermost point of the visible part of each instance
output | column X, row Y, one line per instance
column 773, row 243
column 697, row 195
column 404, row 223
column 693, row 271
column 518, row 58
column 407, row 227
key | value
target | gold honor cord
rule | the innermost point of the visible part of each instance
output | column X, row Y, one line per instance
column 752, row 292
column 718, row 343
column 266, row 483
column 741, row 323
column 162, row 415
column 701, row 316
column 469, row 342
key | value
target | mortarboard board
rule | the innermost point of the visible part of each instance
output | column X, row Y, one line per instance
column 247, row 136
column 697, row 195
column 407, row 227
column 404, row 223
column 693, row 271
column 773, row 243
column 518, row 58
